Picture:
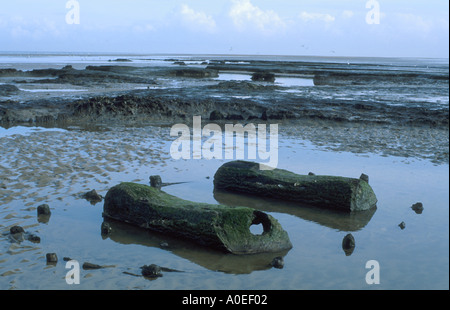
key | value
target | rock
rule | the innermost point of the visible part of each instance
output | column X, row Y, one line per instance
column 7, row 89
column 402, row 225
column 311, row 173
column 16, row 230
column 67, row 67
column 235, row 117
column 43, row 213
column 33, row 238
column 89, row 266
column 348, row 244
column 16, row 234
column 364, row 177
column 264, row 115
column 334, row 192
column 216, row 115
column 152, row 271
column 121, row 60
column 43, row 209
column 105, row 229
column 196, row 73
column 417, row 207
column 277, row 262
column 92, row 196
column 217, row 226
column 263, row 76
column 52, row 259
column 155, row 181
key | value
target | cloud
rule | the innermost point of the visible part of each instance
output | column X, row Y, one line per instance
column 197, row 21
column 35, row 29
column 247, row 16
column 311, row 17
column 347, row 14
column 415, row 23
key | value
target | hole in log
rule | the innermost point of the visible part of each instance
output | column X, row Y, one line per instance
column 256, row 229
column 260, row 224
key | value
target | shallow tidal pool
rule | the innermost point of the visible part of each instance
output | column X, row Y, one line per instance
column 55, row 167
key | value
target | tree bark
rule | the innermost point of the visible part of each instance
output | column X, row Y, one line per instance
column 221, row 227
column 334, row 192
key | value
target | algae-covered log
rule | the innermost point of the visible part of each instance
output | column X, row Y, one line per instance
column 221, row 227
column 338, row 193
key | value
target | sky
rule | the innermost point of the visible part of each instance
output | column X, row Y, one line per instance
column 370, row 28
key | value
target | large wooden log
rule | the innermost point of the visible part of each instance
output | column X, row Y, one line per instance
column 335, row 192
column 221, row 227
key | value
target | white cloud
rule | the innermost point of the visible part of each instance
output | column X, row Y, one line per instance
column 310, row 17
column 348, row 14
column 33, row 28
column 245, row 15
column 414, row 23
column 197, row 20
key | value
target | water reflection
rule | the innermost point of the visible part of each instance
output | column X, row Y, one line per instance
column 342, row 221
column 210, row 259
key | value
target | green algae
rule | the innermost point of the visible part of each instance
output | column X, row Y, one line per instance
column 334, row 192
column 218, row 226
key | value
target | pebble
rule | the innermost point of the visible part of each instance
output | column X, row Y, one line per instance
column 364, row 177
column 43, row 209
column 348, row 244
column 277, row 262
column 417, row 207
column 106, row 229
column 52, row 258
column 152, row 271
column 155, row 181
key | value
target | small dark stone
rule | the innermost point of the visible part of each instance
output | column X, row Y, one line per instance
column 51, row 258
column 152, row 271
column 364, row 177
column 43, row 210
column 263, row 76
column 235, row 117
column 33, row 238
column 16, row 230
column 264, row 115
column 277, row 262
column 216, row 115
column 155, row 181
column 89, row 266
column 348, row 244
column 106, row 229
column 66, row 259
column 311, row 173
column 417, row 207
column 92, row 196
column 402, row 225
